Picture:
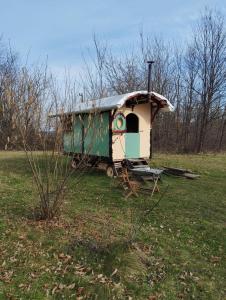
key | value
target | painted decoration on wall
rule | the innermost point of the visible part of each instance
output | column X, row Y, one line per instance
column 119, row 123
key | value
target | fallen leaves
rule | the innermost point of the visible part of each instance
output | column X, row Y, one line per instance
column 6, row 276
column 25, row 286
column 63, row 289
column 64, row 274
column 22, row 237
column 59, row 287
column 71, row 286
column 215, row 259
column 65, row 257
column 152, row 298
column 114, row 272
column 157, row 270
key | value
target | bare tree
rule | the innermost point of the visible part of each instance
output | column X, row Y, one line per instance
column 193, row 79
column 46, row 112
column 190, row 98
column 222, row 129
column 210, row 54
column 8, row 85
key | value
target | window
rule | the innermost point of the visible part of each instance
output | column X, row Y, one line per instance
column 132, row 123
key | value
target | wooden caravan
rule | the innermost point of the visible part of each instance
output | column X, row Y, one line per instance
column 113, row 130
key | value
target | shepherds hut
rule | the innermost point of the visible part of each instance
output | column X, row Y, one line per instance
column 113, row 130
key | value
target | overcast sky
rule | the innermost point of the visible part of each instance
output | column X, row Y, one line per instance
column 63, row 29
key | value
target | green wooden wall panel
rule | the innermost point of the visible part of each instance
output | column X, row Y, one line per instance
column 67, row 141
column 97, row 134
column 73, row 140
column 77, row 135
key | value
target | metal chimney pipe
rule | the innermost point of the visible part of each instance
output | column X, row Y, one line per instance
column 150, row 63
column 81, row 97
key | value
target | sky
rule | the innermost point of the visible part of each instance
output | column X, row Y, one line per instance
column 61, row 31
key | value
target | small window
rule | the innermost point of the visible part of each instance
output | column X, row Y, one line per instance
column 132, row 123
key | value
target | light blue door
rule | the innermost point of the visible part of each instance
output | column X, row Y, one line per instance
column 132, row 145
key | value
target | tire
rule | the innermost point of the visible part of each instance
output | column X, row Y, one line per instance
column 74, row 164
column 110, row 171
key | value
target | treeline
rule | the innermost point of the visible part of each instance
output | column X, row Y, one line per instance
column 191, row 76
column 22, row 94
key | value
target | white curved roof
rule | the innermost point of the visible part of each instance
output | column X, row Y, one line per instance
column 118, row 101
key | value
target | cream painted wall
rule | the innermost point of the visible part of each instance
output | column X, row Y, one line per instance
column 118, row 140
column 118, row 146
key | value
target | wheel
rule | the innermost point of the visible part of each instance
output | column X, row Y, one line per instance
column 110, row 171
column 74, row 164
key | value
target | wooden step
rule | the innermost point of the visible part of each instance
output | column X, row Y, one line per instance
column 147, row 178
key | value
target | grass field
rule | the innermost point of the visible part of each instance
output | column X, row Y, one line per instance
column 179, row 253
